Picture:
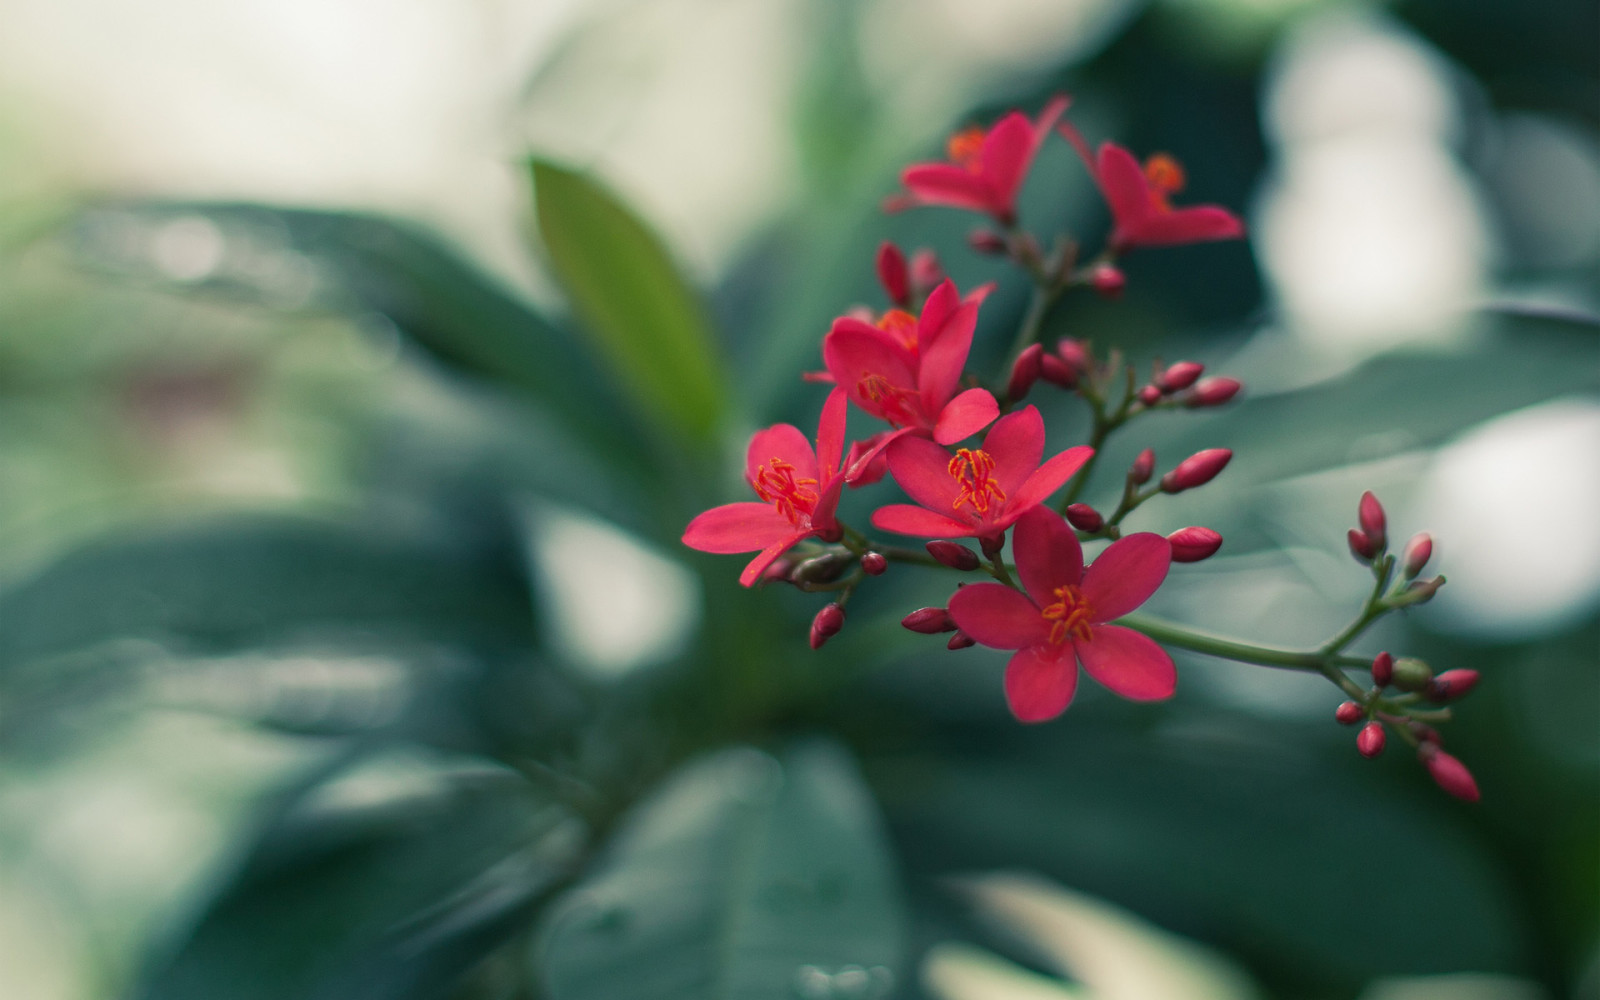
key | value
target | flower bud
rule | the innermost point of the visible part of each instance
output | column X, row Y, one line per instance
column 892, row 274
column 993, row 544
column 1214, row 392
column 1360, row 545
column 1417, row 592
column 1423, row 732
column 874, row 563
column 1149, row 395
column 1383, row 670
column 1196, row 470
column 1417, row 553
column 1180, row 375
column 778, row 571
column 929, row 621
column 926, row 271
column 1144, row 466
column 825, row 568
column 953, row 554
column 1194, row 543
column 1024, row 372
column 1371, row 739
column 1075, row 353
column 1411, row 674
column 1084, row 517
column 826, row 624
column 987, row 242
column 1448, row 773
column 960, row 640
column 1349, row 713
column 1372, row 520
column 1057, row 372
column 1450, row 685
column 1108, row 281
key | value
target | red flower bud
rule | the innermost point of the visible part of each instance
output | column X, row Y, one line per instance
column 1448, row 773
column 1423, row 732
column 1084, row 517
column 1450, row 685
column 1382, row 670
column 778, row 572
column 993, row 544
column 1371, row 739
column 1144, row 466
column 1057, row 372
column 1194, row 543
column 987, row 242
column 960, row 640
column 1196, row 470
column 1149, row 395
column 953, row 554
column 1180, row 375
column 1075, row 353
column 1417, row 553
column 926, row 271
column 826, row 624
column 1372, row 519
column 929, row 621
column 874, row 564
column 1108, row 281
column 1360, row 545
column 892, row 274
column 1349, row 713
column 1024, row 372
column 1214, row 392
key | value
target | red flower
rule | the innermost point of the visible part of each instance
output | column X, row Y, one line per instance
column 986, row 168
column 1061, row 619
column 905, row 370
column 799, row 491
column 977, row 492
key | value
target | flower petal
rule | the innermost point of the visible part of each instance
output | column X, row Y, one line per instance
column 1016, row 443
column 945, row 357
column 904, row 519
column 1048, row 554
column 965, row 415
column 766, row 557
column 944, row 184
column 1123, row 183
column 1007, row 151
column 737, row 527
column 1040, row 682
column 783, row 443
column 1198, row 224
column 1128, row 662
column 922, row 469
column 997, row 616
column 830, row 432
column 942, row 303
column 1046, row 480
column 866, row 462
column 1126, row 574
column 852, row 355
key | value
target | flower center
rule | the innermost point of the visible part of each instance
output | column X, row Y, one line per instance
column 1069, row 616
column 1165, row 176
column 966, row 149
column 902, row 326
column 775, row 483
column 973, row 469
column 892, row 402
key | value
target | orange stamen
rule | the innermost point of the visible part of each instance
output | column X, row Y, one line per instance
column 973, row 469
column 1070, row 616
column 775, row 483
column 1165, row 176
column 966, row 148
column 902, row 326
column 892, row 401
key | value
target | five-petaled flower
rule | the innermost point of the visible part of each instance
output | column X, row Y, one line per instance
column 976, row 492
column 799, row 490
column 1061, row 619
column 986, row 167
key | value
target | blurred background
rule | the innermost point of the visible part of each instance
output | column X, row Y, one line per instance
column 347, row 648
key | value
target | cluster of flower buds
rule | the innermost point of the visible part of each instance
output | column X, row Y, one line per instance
column 1180, row 384
column 1369, row 543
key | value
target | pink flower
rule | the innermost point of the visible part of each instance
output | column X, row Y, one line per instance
column 977, row 492
column 905, row 370
column 1060, row 621
column 986, row 168
column 799, row 490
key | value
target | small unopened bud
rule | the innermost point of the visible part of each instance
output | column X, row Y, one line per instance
column 987, row 242
column 892, row 274
column 929, row 621
column 1448, row 773
column 1084, row 517
column 1075, row 353
column 1196, row 470
column 1417, row 553
column 1194, row 543
column 960, row 640
column 1057, row 372
column 1360, row 545
column 1180, row 375
column 1024, row 372
column 1371, row 739
column 1450, row 685
column 1349, row 713
column 1214, row 392
column 1108, row 281
column 1417, row 592
column 1373, row 522
column 953, row 554
column 1411, row 674
column 778, row 571
column 1149, row 395
column 874, row 564
column 826, row 624
column 1144, row 466
column 1423, row 732
column 926, row 271
column 993, row 544
column 1383, row 670
column 825, row 568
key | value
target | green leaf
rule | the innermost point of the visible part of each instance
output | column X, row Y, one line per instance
column 649, row 322
column 743, row 878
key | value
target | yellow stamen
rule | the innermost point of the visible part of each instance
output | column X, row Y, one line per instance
column 973, row 469
column 1070, row 616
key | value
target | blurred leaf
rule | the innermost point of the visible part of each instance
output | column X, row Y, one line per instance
column 743, row 878
column 955, row 971
column 632, row 299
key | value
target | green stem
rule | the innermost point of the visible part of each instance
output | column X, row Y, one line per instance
column 1045, row 294
column 1328, row 664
